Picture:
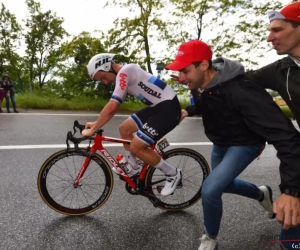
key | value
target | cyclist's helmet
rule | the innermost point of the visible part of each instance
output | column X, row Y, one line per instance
column 99, row 62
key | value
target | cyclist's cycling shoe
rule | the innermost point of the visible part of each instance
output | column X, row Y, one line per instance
column 171, row 183
column 267, row 202
column 132, row 173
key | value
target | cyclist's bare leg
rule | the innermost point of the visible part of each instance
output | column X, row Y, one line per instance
column 126, row 129
column 142, row 151
column 152, row 158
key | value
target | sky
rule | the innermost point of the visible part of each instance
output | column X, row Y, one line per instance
column 88, row 15
column 79, row 15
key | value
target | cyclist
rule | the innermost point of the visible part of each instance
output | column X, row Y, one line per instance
column 239, row 117
column 150, row 124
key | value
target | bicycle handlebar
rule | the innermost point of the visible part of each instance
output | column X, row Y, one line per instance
column 72, row 138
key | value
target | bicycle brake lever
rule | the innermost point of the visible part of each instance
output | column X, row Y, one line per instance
column 69, row 136
column 79, row 126
column 74, row 126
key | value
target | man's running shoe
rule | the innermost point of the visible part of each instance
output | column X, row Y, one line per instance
column 267, row 202
column 208, row 243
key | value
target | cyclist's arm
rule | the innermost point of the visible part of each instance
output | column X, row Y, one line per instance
column 106, row 114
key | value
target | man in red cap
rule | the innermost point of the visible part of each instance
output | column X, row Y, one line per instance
column 239, row 117
column 283, row 76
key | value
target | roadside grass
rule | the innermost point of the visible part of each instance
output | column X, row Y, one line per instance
column 32, row 101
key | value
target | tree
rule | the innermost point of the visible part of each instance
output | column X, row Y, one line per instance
column 44, row 36
column 10, row 36
column 77, row 53
column 134, row 36
column 233, row 28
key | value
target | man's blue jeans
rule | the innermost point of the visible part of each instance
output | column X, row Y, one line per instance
column 227, row 163
column 290, row 238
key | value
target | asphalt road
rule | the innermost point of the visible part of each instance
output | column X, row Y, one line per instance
column 125, row 222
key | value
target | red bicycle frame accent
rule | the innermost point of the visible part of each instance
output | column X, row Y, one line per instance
column 99, row 146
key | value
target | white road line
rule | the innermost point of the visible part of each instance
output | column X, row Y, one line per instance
column 10, row 147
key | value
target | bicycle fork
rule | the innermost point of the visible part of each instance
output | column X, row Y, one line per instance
column 82, row 171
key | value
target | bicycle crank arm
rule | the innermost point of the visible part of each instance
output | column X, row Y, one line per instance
column 153, row 198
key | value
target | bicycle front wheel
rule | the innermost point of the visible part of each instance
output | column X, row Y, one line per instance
column 56, row 182
column 194, row 169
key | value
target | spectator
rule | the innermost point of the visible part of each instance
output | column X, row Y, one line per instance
column 2, row 95
column 238, row 117
column 7, row 85
column 283, row 75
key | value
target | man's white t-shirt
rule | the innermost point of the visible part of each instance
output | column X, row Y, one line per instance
column 144, row 86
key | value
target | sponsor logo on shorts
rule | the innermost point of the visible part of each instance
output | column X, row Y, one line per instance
column 150, row 130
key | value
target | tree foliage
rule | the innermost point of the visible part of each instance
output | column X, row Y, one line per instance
column 43, row 39
column 10, row 40
column 40, row 52
column 233, row 28
column 136, row 35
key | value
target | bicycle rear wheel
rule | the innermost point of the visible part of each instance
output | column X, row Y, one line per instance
column 194, row 171
column 56, row 182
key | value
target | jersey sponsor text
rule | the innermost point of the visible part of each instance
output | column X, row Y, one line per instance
column 149, row 90
column 123, row 82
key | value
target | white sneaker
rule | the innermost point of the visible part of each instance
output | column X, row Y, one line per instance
column 171, row 183
column 267, row 202
column 133, row 171
column 208, row 243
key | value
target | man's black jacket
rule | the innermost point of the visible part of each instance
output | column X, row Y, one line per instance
column 282, row 76
column 240, row 112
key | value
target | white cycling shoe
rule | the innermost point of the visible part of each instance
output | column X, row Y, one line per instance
column 171, row 183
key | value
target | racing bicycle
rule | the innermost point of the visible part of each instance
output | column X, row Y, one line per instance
column 78, row 180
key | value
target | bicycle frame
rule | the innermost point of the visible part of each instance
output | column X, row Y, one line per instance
column 99, row 146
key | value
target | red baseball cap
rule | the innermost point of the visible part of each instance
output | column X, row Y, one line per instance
column 290, row 12
column 190, row 52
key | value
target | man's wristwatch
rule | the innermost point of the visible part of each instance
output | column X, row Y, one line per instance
column 290, row 192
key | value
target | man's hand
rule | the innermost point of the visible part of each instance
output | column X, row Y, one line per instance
column 287, row 210
column 175, row 78
column 184, row 114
